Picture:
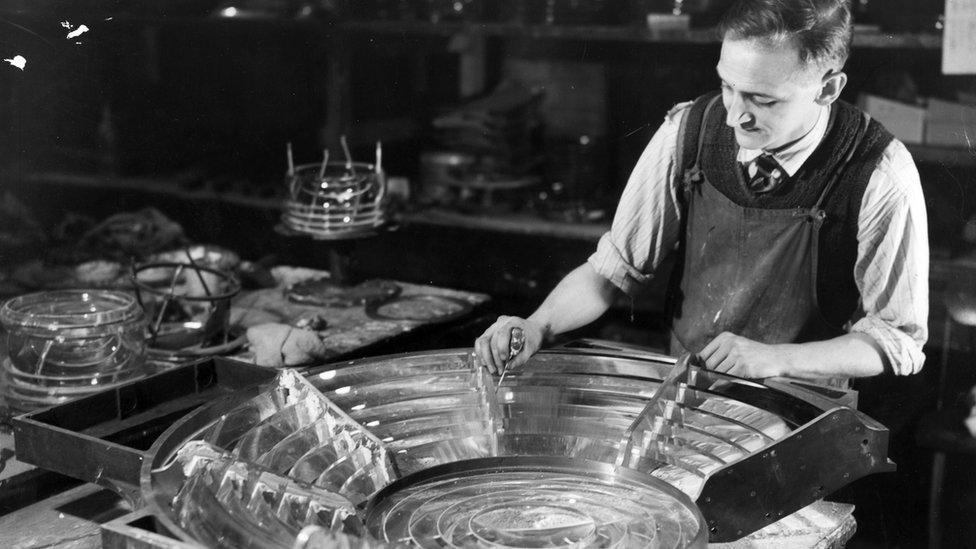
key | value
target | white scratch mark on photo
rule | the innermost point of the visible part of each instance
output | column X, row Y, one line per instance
column 66, row 24
column 17, row 61
column 82, row 29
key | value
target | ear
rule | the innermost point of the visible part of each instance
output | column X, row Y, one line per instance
column 833, row 83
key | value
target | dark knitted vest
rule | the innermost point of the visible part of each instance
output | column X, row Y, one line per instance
column 837, row 293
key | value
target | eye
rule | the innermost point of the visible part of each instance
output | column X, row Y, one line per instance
column 763, row 102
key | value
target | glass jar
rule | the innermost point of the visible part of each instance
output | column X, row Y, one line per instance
column 70, row 343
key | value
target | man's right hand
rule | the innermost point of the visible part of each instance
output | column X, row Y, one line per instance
column 493, row 347
column 579, row 298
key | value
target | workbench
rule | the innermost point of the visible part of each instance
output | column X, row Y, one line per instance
column 73, row 519
column 356, row 331
column 349, row 332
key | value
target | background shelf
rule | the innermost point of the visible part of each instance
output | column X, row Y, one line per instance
column 949, row 156
column 612, row 33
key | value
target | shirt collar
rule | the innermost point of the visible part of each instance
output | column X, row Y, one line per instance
column 796, row 154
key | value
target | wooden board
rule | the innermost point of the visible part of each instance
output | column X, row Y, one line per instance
column 348, row 328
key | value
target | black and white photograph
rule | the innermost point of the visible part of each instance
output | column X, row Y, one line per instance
column 513, row 274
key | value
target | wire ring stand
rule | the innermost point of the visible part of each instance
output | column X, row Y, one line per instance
column 184, row 325
column 337, row 201
column 345, row 200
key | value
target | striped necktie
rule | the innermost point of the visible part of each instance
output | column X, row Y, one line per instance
column 764, row 174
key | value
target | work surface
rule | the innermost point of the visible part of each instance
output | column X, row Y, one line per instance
column 412, row 317
column 71, row 520
column 350, row 329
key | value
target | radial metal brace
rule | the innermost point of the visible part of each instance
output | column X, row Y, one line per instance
column 657, row 425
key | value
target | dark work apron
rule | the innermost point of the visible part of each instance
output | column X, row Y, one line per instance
column 748, row 271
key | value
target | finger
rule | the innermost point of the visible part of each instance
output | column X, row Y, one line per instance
column 713, row 346
column 520, row 359
column 494, row 327
column 482, row 346
column 496, row 364
column 727, row 366
column 741, row 369
column 708, row 350
column 482, row 351
column 718, row 355
column 499, row 347
column 707, row 353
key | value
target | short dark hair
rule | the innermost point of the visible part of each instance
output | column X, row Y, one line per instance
column 822, row 30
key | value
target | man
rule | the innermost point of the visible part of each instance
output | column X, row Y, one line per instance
column 800, row 222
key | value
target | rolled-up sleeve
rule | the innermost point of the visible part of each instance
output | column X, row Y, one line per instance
column 648, row 218
column 892, row 269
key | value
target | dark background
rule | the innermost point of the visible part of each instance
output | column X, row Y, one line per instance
column 161, row 100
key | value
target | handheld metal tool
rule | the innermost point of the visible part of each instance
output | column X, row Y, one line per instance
column 516, row 342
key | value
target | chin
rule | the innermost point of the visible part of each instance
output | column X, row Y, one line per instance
column 750, row 140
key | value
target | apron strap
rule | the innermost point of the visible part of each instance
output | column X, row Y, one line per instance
column 818, row 207
column 693, row 175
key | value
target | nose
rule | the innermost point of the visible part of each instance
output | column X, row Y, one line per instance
column 738, row 115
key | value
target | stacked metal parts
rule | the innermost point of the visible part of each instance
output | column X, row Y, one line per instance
column 488, row 150
column 69, row 343
column 335, row 200
column 579, row 450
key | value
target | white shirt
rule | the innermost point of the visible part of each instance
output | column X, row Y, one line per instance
column 892, row 267
column 792, row 158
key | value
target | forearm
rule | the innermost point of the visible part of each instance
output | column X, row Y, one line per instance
column 581, row 297
column 849, row 355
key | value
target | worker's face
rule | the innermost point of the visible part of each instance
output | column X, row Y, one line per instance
column 771, row 97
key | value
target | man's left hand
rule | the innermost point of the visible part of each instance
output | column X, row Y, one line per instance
column 743, row 357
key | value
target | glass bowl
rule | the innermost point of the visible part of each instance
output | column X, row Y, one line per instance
column 68, row 343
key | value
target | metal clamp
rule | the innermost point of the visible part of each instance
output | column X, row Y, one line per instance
column 662, row 415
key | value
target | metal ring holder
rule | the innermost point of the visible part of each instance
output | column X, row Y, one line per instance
column 343, row 201
column 187, row 321
column 337, row 202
